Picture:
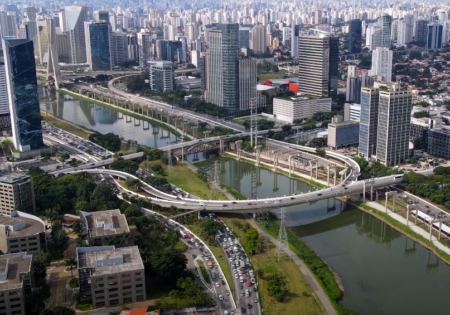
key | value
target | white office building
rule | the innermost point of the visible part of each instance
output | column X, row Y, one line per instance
column 382, row 64
column 161, row 75
column 291, row 108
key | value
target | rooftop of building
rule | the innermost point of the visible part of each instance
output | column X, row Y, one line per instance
column 443, row 130
column 345, row 123
column 303, row 97
column 21, row 224
column 12, row 178
column 105, row 260
column 38, row 163
column 106, row 223
column 12, row 266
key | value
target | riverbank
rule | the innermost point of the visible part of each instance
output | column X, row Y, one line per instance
column 127, row 112
column 281, row 170
column 402, row 228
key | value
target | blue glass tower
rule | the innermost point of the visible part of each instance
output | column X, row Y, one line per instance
column 98, row 45
column 22, row 88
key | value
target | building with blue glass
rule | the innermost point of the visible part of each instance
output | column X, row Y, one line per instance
column 368, row 122
column 98, row 45
column 22, row 93
column 354, row 36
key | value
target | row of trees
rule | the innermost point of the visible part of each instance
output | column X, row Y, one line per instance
column 374, row 169
column 109, row 141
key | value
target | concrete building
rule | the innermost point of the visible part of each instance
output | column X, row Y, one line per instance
column 144, row 43
column 352, row 111
column 16, row 281
column 222, row 67
column 405, row 30
column 101, row 225
column 434, row 36
column 394, row 123
column 291, row 108
column 111, row 276
column 22, row 232
column 133, row 51
column 74, row 18
column 161, row 75
column 120, row 44
column 16, row 193
column 99, row 44
column 420, row 128
column 247, row 83
column 421, row 31
column 439, row 142
column 318, row 64
column 382, row 64
column 258, row 39
column 294, row 40
column 342, row 133
column 8, row 24
column 22, row 93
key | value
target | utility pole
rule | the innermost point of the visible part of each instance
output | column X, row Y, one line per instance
column 253, row 120
column 282, row 236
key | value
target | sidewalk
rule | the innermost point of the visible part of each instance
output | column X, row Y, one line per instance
column 303, row 269
column 411, row 225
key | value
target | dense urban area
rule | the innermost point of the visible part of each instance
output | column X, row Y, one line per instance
column 224, row 158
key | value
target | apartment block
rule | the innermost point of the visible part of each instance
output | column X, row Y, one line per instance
column 16, row 193
column 103, row 224
column 111, row 276
column 16, row 280
column 22, row 233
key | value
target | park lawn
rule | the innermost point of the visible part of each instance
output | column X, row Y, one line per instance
column 301, row 299
column 204, row 272
column 180, row 246
column 183, row 177
column 65, row 126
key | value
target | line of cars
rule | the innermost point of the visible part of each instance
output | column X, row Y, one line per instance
column 241, row 268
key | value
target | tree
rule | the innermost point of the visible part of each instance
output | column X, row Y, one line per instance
column 190, row 66
column 128, row 166
column 46, row 311
column 422, row 113
column 419, row 143
column 70, row 262
column 169, row 264
column 52, row 215
column 286, row 128
column 251, row 237
column 59, row 238
column 210, row 226
column 320, row 152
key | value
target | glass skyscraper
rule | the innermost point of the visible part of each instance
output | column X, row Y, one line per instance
column 354, row 37
column 98, row 45
column 22, row 88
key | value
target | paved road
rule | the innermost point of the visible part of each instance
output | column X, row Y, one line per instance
column 303, row 269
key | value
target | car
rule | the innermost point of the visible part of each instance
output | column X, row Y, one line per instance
column 249, row 204
column 225, row 205
column 223, row 282
column 256, row 300
column 221, row 297
column 242, row 293
column 193, row 256
column 234, row 269
column 234, row 202
column 255, row 289
column 236, row 276
column 220, row 276
column 227, row 292
column 250, row 306
column 247, row 293
column 243, row 310
column 253, row 280
column 213, row 275
column 292, row 198
column 319, row 194
column 241, row 286
column 427, row 206
column 217, row 284
column 343, row 185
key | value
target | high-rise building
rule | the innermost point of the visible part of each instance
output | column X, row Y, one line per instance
column 421, row 32
column 101, row 16
column 53, row 70
column 17, row 193
column 98, row 45
column 161, row 75
column 74, row 18
column 183, row 55
column 354, row 37
column 21, row 82
column 286, row 35
column 247, row 83
column 120, row 44
column 434, row 36
column 381, row 36
column 244, row 37
column 144, row 48
column 258, row 39
column 368, row 126
column 318, row 64
column 394, row 123
column 222, row 67
column 133, row 51
column 382, row 64
column 294, row 40
column 8, row 24
column 405, row 30
column 5, row 119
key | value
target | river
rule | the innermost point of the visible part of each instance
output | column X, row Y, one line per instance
column 103, row 119
column 383, row 271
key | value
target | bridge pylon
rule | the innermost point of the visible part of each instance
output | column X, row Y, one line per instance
column 238, row 149
column 258, row 154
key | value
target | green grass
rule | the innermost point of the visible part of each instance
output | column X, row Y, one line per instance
column 204, row 272
column 124, row 111
column 301, row 298
column 236, row 194
column 217, row 252
column 321, row 271
column 74, row 283
column 65, row 126
column 271, row 75
column 84, row 307
column 180, row 246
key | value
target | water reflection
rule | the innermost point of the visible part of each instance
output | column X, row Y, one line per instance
column 104, row 120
